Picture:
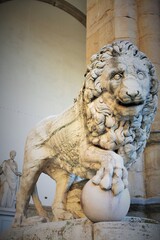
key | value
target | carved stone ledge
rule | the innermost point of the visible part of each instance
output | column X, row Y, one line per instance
column 151, row 211
column 154, row 138
column 131, row 228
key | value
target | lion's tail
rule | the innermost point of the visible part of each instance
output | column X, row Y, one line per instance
column 38, row 204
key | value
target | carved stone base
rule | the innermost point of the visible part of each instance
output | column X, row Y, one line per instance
column 6, row 218
column 82, row 229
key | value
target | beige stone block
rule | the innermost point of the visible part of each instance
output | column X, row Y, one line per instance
column 136, row 185
column 152, row 185
column 148, row 7
column 105, row 10
column 157, row 67
column 106, row 28
column 125, row 28
column 79, row 229
column 150, row 45
column 154, row 138
column 156, row 123
column 12, row 234
column 90, row 4
column 98, row 16
column 132, row 228
column 152, row 158
column 152, row 170
column 136, row 179
column 125, row 8
column 123, row 231
column 92, row 19
column 149, row 25
column 97, row 40
column 92, row 46
column 106, row 34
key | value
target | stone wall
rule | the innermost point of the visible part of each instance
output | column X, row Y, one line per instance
column 137, row 21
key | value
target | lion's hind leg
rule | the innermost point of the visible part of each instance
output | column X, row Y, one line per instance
column 63, row 182
column 27, row 184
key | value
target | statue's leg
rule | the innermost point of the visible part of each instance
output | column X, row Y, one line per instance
column 5, row 188
column 31, row 172
column 63, row 183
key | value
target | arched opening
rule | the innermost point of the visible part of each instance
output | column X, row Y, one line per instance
column 65, row 6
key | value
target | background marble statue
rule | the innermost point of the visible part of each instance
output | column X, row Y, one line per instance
column 9, row 181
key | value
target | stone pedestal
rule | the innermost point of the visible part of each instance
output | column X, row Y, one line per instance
column 6, row 218
column 126, row 230
column 83, row 229
column 79, row 229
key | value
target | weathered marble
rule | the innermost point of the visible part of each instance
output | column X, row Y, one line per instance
column 101, row 135
column 99, row 205
column 9, row 181
column 124, row 230
column 69, row 230
column 130, row 228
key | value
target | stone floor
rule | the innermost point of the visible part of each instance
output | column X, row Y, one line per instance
column 82, row 229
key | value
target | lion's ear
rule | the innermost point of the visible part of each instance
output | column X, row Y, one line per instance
column 154, row 85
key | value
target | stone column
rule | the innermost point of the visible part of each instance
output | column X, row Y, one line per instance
column 149, row 42
column 137, row 21
column 149, row 38
column 110, row 20
column 100, row 25
column 125, row 20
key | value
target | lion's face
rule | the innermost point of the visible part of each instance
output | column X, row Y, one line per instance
column 120, row 99
column 126, row 84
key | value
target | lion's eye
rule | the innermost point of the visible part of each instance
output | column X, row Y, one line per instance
column 141, row 75
column 117, row 76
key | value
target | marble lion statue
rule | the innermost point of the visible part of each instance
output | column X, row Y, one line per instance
column 100, row 136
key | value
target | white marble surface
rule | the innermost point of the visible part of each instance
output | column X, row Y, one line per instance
column 101, row 135
column 9, row 180
column 102, row 206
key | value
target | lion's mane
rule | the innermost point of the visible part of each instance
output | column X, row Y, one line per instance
column 127, row 137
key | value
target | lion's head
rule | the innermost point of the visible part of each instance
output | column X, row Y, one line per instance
column 120, row 95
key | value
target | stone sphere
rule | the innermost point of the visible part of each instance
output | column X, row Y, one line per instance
column 99, row 205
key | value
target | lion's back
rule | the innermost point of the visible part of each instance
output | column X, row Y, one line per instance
column 51, row 125
column 42, row 131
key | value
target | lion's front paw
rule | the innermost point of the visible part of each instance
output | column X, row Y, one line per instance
column 112, row 175
column 98, row 177
column 119, row 180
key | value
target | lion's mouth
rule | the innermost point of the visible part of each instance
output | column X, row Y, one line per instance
column 130, row 104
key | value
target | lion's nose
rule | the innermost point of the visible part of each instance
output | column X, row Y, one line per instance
column 132, row 94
